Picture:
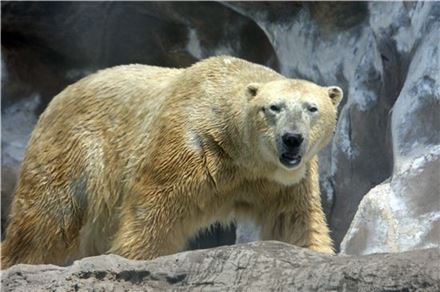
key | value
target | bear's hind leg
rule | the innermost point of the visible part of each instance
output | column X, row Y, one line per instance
column 42, row 230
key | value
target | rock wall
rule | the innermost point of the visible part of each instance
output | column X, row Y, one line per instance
column 263, row 266
column 384, row 55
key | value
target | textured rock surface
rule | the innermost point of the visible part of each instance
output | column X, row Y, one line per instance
column 261, row 266
column 384, row 55
column 404, row 214
column 17, row 123
column 390, row 217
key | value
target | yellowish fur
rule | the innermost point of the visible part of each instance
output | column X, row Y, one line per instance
column 135, row 159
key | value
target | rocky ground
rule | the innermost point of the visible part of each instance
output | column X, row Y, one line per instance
column 259, row 266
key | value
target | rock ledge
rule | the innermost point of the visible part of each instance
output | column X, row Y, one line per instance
column 258, row 266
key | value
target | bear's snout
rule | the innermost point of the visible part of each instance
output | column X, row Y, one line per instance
column 290, row 150
column 292, row 141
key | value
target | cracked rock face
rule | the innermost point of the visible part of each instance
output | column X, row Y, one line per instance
column 404, row 213
column 384, row 55
column 262, row 266
column 392, row 219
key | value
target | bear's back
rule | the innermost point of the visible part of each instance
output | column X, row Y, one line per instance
column 108, row 117
column 98, row 120
column 117, row 97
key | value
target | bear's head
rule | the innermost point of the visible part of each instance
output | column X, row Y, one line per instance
column 292, row 120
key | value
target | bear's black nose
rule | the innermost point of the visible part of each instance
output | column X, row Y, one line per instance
column 292, row 141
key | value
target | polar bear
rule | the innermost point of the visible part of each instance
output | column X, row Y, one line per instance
column 135, row 159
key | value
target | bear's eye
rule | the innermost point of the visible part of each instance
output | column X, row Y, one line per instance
column 312, row 109
column 275, row 108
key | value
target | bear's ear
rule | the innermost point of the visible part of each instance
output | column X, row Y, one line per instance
column 252, row 90
column 336, row 94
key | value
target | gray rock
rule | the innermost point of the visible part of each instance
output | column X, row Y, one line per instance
column 247, row 231
column 391, row 217
column 260, row 266
column 17, row 123
column 404, row 213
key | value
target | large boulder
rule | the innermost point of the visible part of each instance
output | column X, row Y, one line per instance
column 404, row 212
column 261, row 266
column 391, row 217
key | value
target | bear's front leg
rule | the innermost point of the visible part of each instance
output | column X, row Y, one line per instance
column 305, row 228
column 316, row 232
column 151, row 225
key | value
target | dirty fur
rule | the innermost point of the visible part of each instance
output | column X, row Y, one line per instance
column 135, row 160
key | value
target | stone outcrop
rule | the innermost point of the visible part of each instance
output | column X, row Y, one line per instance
column 391, row 217
column 260, row 266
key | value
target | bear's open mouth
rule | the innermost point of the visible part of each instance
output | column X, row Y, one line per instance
column 290, row 159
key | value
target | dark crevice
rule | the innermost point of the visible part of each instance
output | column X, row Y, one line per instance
column 135, row 277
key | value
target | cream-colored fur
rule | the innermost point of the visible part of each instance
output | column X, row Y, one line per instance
column 135, row 159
